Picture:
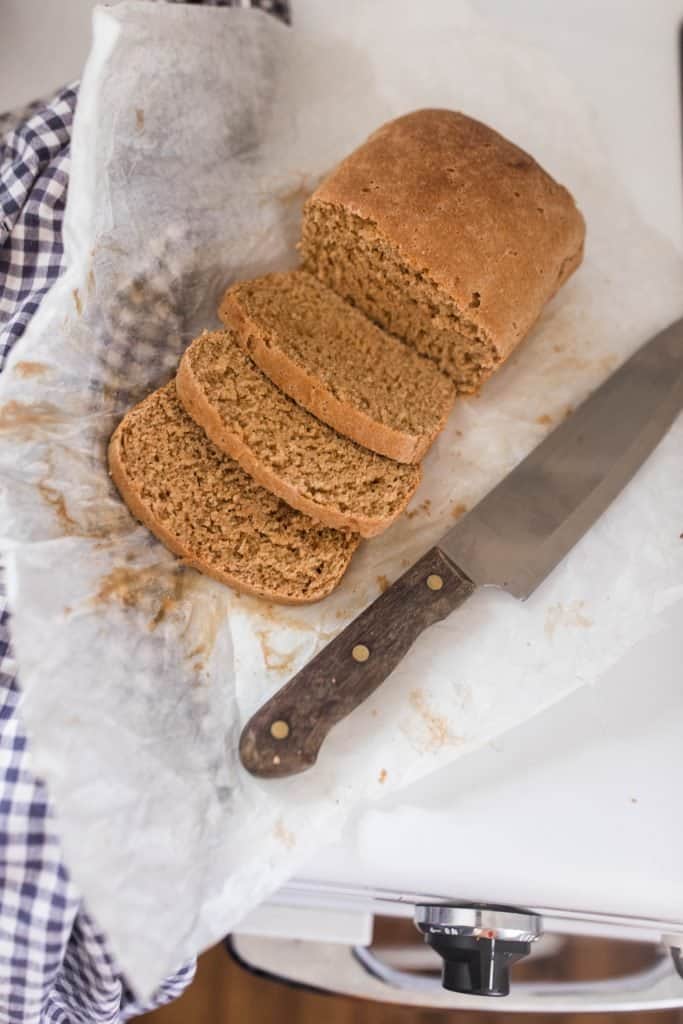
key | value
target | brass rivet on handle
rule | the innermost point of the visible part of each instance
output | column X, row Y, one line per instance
column 279, row 730
column 434, row 582
column 360, row 653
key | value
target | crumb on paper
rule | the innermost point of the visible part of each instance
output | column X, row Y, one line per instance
column 166, row 605
column 77, row 301
column 438, row 732
column 383, row 583
column 422, row 509
column 571, row 616
column 283, row 835
column 544, row 420
column 91, row 280
column 382, row 776
column 568, row 411
column 374, row 712
column 458, row 510
column 139, row 120
column 26, row 368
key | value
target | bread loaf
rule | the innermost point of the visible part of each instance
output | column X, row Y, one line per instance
column 446, row 235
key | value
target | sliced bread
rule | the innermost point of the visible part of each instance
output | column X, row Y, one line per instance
column 206, row 509
column 284, row 447
column 447, row 235
column 336, row 363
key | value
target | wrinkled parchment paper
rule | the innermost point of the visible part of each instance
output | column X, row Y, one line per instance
column 198, row 134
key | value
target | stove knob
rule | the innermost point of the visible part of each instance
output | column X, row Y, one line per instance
column 478, row 944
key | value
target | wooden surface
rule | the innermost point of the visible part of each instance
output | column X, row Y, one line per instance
column 223, row 993
column 350, row 668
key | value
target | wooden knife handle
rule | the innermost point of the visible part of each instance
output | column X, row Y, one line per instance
column 286, row 734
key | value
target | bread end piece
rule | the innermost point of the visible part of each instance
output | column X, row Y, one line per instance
column 446, row 234
column 229, row 528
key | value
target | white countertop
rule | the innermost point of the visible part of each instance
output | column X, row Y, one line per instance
column 579, row 808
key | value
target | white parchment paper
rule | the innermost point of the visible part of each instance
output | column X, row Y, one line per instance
column 199, row 132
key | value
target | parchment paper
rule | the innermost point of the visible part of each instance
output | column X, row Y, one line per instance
column 199, row 132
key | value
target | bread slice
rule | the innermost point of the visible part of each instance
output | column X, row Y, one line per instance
column 283, row 447
column 203, row 507
column 446, row 235
column 335, row 362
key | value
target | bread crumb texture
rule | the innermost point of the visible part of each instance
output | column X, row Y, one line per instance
column 283, row 446
column 340, row 366
column 205, row 508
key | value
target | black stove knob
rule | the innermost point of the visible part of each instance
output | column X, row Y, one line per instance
column 478, row 944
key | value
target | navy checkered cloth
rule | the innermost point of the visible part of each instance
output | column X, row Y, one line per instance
column 54, row 963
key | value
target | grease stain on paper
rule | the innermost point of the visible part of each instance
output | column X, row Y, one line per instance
column 135, row 588
column 26, row 368
column 55, row 499
column 572, row 616
column 271, row 617
column 161, row 593
column 436, row 726
column 274, row 660
column 98, row 518
column 28, row 418
column 283, row 835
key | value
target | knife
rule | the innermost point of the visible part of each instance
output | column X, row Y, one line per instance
column 512, row 540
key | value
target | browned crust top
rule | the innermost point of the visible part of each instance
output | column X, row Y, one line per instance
column 468, row 209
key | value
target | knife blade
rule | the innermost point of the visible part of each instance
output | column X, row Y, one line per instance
column 512, row 540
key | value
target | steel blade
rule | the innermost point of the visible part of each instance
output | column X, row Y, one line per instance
column 526, row 525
